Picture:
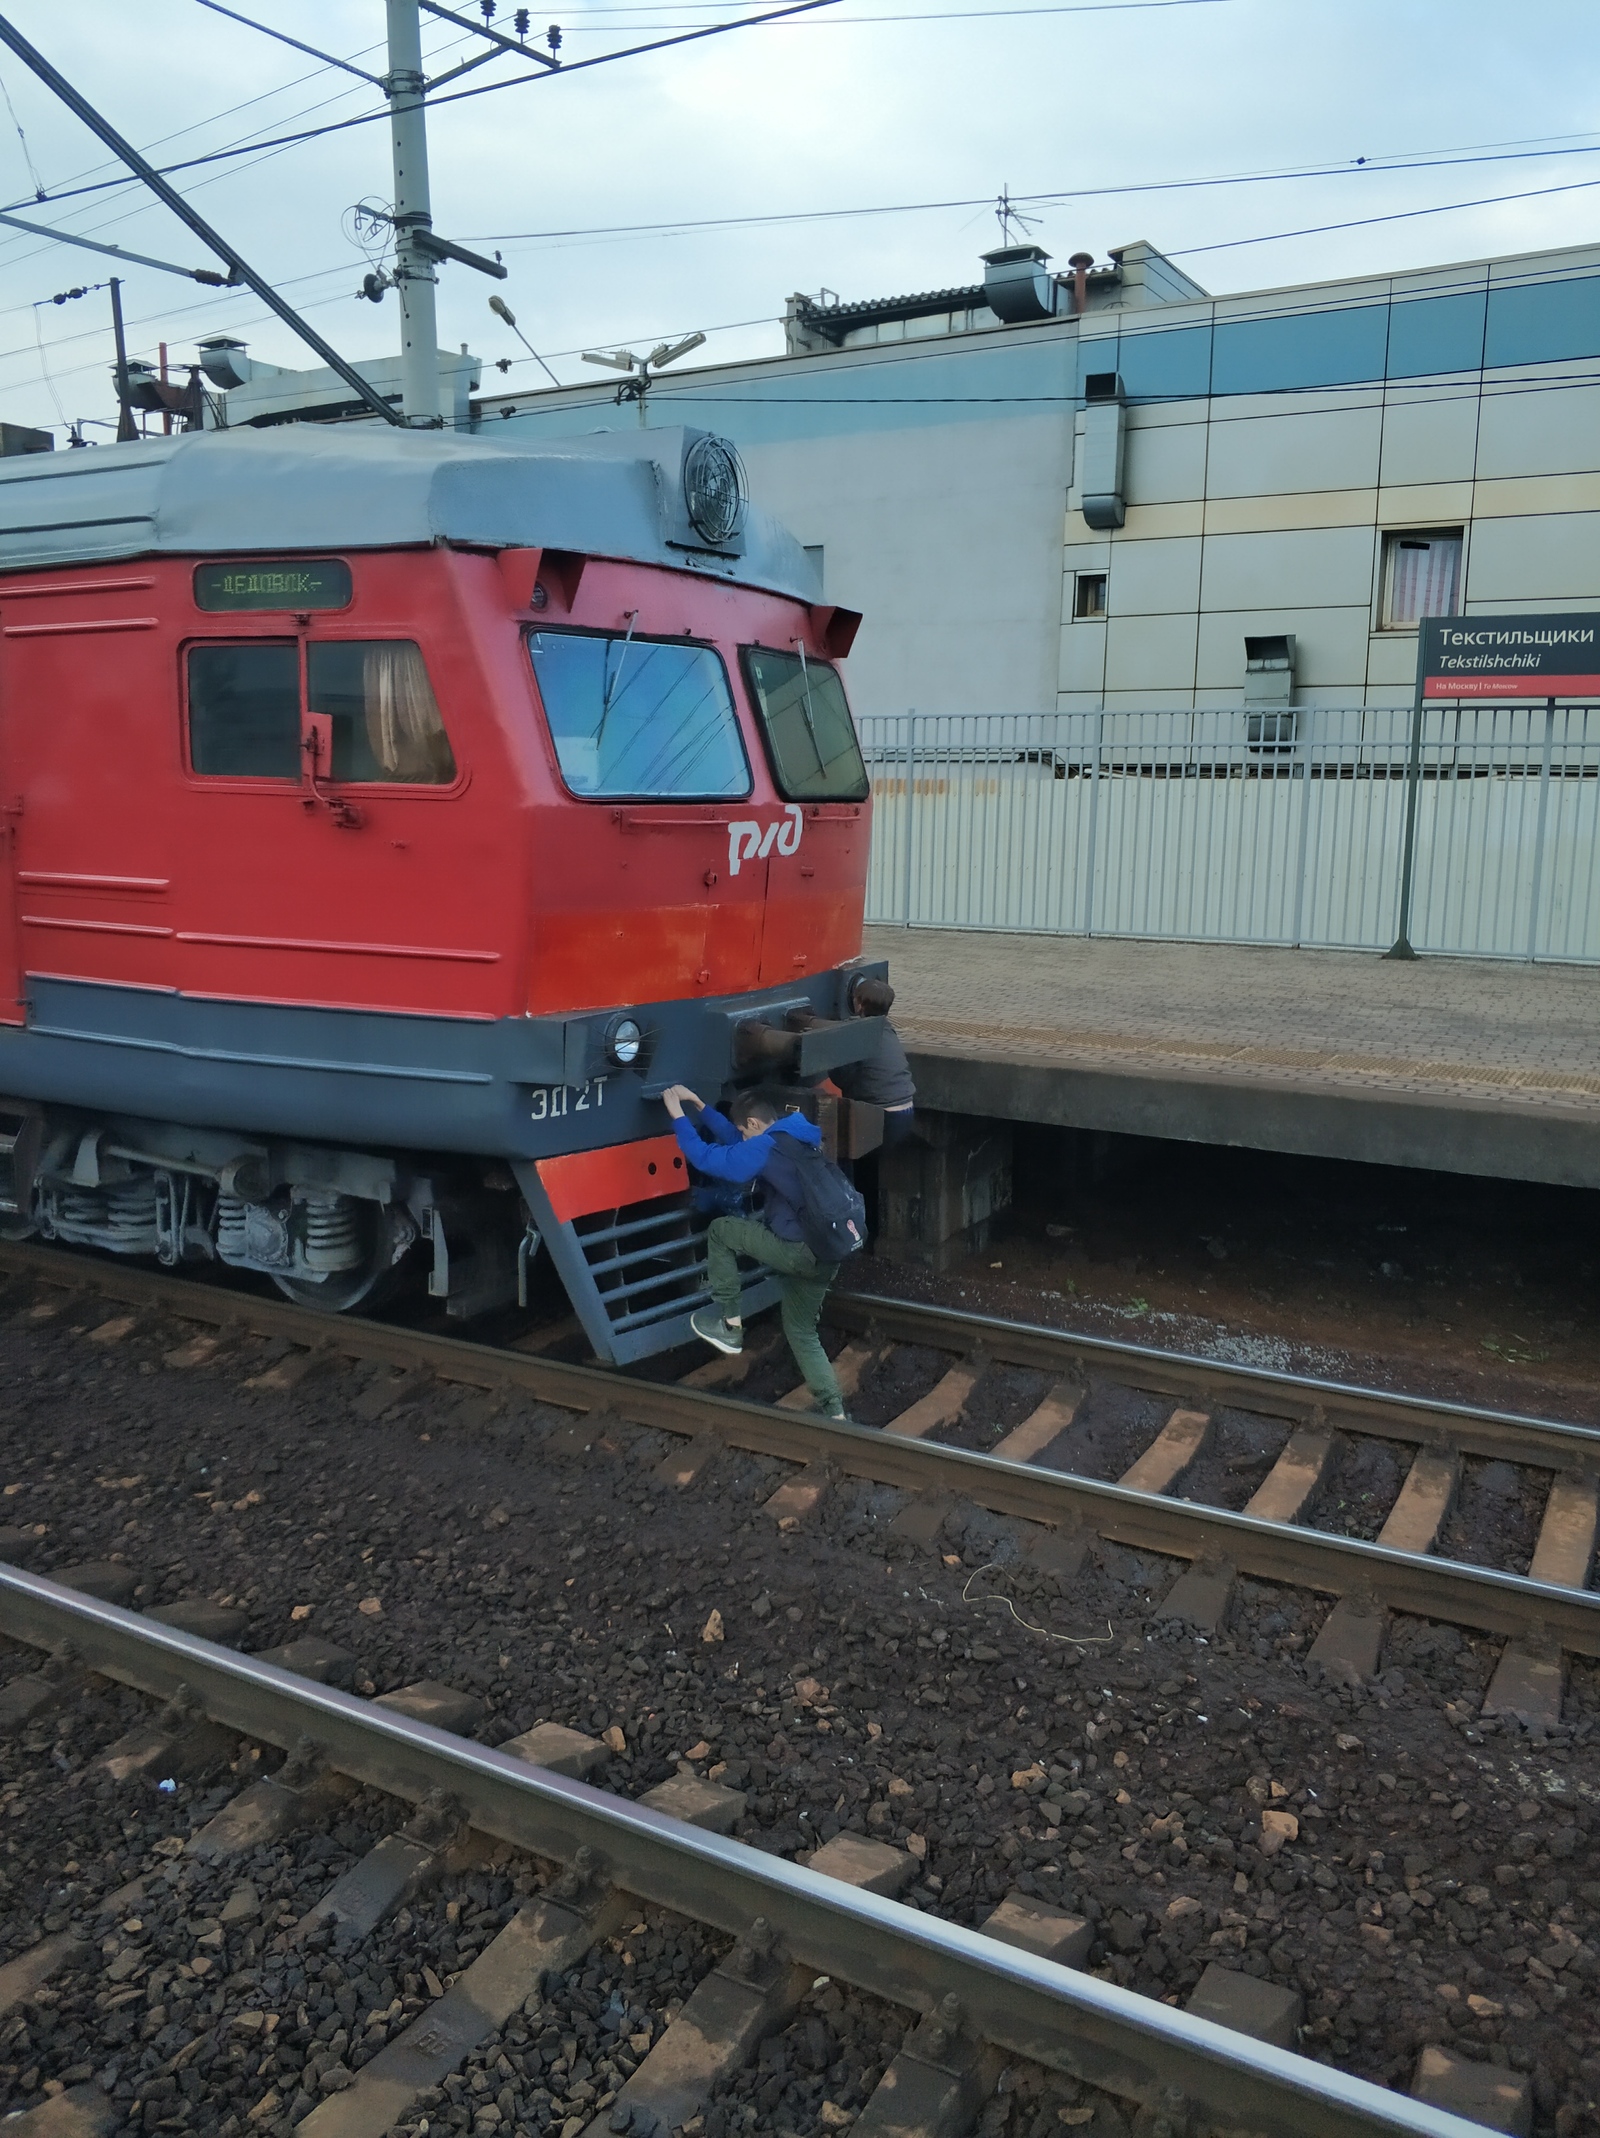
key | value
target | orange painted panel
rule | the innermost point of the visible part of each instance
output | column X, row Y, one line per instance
column 583, row 1181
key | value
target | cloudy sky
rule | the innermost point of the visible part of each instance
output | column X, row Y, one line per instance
column 865, row 144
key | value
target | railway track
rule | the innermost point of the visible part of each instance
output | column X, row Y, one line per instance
column 1034, row 1472
column 975, row 2000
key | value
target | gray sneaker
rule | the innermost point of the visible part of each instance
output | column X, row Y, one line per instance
column 708, row 1324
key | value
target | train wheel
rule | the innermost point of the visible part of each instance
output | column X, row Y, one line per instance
column 17, row 1227
column 368, row 1284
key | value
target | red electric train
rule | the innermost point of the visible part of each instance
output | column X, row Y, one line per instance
column 388, row 819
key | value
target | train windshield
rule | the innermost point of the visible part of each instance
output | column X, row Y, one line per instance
column 811, row 738
column 631, row 718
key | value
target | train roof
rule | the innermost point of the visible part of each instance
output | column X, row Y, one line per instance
column 310, row 487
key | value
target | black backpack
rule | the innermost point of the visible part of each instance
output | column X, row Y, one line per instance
column 833, row 1217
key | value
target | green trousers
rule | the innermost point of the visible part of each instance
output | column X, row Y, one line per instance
column 802, row 1280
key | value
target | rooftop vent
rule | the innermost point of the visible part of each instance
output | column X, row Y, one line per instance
column 1017, row 284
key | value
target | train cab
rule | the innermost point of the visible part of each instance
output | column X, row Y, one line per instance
column 388, row 819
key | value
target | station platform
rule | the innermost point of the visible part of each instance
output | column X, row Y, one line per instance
column 1458, row 1065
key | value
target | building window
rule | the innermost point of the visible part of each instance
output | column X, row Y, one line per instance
column 1089, row 596
column 1421, row 577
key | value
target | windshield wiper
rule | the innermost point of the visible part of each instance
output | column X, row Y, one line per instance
column 810, row 709
column 612, row 682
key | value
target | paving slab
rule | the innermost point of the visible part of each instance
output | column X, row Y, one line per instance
column 264, row 1811
column 18, row 1546
column 1565, row 1550
column 1060, row 1551
column 36, row 1692
column 107, row 1580
column 684, row 1464
column 1036, row 1927
column 1528, row 1684
column 1418, row 1515
column 1199, row 1597
column 359, row 1899
column 30, row 1970
column 563, row 1751
column 1174, row 1448
column 205, row 1621
column 801, row 1495
column 80, row 2112
column 1489, row 2094
column 441, row 1705
column 1295, row 1478
column 922, row 1517
column 941, row 1406
column 542, row 1939
column 936, row 2084
column 1350, row 1643
column 697, row 1803
column 1041, row 1426
column 746, row 1997
column 167, row 1749
column 312, row 1657
column 1264, row 2010
column 873, row 1866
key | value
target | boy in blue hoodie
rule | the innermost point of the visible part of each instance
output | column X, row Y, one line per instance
column 749, row 1151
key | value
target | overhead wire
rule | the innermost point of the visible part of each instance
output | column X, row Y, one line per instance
column 142, row 204
column 371, row 118
column 263, row 150
column 27, row 153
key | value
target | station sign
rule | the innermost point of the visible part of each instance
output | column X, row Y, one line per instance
column 1510, row 656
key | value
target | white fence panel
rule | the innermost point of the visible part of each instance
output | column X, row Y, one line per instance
column 1222, row 827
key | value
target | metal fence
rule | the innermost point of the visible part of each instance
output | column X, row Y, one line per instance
column 1245, row 827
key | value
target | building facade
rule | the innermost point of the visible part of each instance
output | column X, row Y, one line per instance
column 1107, row 489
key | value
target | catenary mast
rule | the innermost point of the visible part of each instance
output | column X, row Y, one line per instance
column 414, row 272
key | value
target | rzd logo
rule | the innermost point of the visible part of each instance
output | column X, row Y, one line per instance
column 748, row 842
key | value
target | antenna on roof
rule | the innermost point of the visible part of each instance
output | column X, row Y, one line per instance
column 1005, row 214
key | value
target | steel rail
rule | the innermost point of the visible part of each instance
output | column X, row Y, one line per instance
column 1480, row 1597
column 1096, row 2031
column 1513, row 1436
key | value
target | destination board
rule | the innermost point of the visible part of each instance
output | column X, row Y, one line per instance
column 312, row 583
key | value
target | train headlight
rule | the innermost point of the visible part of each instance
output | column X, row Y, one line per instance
column 623, row 1041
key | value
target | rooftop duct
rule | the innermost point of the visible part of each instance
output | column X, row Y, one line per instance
column 1017, row 285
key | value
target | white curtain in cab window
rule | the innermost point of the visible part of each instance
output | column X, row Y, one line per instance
column 405, row 729
column 1424, row 577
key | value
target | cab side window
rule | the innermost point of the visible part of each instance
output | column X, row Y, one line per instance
column 386, row 720
column 244, row 710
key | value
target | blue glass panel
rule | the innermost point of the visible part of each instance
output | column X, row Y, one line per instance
column 1436, row 334
column 1276, row 355
column 1166, row 367
column 1544, row 322
column 636, row 718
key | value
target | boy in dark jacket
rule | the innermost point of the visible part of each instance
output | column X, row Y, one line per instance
column 747, row 1151
column 884, row 1078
